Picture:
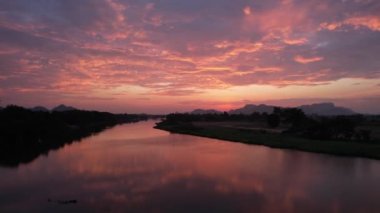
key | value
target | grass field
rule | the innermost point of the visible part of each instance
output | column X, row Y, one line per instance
column 271, row 139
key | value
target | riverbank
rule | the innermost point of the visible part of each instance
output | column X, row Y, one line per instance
column 274, row 140
column 26, row 134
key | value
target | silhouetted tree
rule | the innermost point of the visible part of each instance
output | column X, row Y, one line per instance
column 273, row 120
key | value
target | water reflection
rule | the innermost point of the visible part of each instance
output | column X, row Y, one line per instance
column 135, row 168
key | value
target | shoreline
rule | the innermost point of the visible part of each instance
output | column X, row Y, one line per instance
column 27, row 134
column 282, row 141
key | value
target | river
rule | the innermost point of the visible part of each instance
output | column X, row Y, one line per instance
column 135, row 168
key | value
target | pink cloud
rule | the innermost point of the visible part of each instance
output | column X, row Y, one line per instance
column 185, row 48
column 369, row 22
column 304, row 60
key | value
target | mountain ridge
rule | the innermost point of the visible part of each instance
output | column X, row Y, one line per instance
column 63, row 108
column 324, row 109
column 39, row 109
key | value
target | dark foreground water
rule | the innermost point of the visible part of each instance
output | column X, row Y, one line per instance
column 135, row 168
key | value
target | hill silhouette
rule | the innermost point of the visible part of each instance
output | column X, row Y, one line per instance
column 63, row 108
column 326, row 109
column 323, row 109
column 205, row 111
column 39, row 109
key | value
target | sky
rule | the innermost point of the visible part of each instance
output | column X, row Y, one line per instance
column 176, row 55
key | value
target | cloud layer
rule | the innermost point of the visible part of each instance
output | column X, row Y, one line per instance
column 96, row 48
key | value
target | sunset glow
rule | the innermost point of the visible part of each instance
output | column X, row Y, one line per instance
column 167, row 56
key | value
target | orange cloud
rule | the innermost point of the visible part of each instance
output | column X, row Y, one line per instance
column 296, row 41
column 303, row 60
column 247, row 11
column 369, row 22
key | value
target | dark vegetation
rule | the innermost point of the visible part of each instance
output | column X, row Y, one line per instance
column 353, row 135
column 343, row 127
column 25, row 134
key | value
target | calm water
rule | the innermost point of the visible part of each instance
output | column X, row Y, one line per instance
column 135, row 168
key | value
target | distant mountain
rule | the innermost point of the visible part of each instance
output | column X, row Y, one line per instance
column 63, row 108
column 39, row 109
column 205, row 111
column 326, row 109
column 1, row 108
column 251, row 108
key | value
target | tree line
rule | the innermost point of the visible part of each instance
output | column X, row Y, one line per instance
column 345, row 128
column 25, row 134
